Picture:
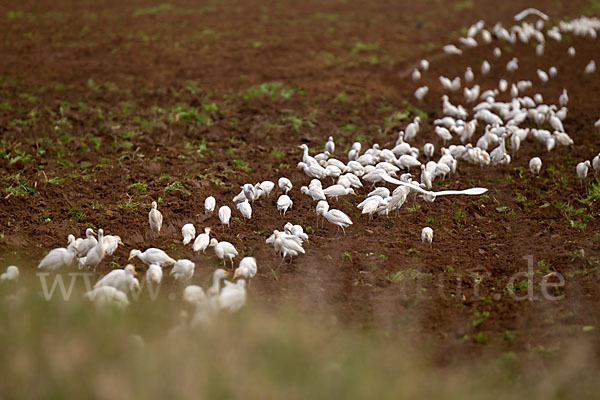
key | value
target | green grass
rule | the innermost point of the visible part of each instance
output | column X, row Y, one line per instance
column 176, row 186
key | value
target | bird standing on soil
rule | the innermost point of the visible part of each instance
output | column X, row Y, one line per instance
column 110, row 244
column 284, row 184
column 188, row 231
column 284, row 203
column 155, row 218
column 209, row 204
column 152, row 256
column 224, row 250
column 330, row 145
column 123, row 280
column 582, row 169
column 154, row 275
column 202, row 241
column 82, row 246
column 95, row 255
column 233, row 296
column 427, row 235
column 535, row 165
column 12, row 274
column 245, row 209
column 183, row 270
column 339, row 219
column 247, row 268
column 58, row 258
column 224, row 216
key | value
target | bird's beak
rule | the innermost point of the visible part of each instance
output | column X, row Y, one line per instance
column 130, row 257
column 299, row 146
column 94, row 233
column 121, row 243
column 235, row 275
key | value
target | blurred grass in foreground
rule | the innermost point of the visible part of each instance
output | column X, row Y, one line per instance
column 61, row 349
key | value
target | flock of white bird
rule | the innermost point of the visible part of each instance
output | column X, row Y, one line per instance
column 332, row 178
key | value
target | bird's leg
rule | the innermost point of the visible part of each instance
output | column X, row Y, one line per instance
column 343, row 230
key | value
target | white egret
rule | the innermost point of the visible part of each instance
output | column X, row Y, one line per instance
column 11, row 274
column 224, row 250
column 428, row 150
column 123, row 280
column 209, row 204
column 424, row 64
column 582, row 169
column 571, row 51
column 330, row 145
column 111, row 243
column 188, row 231
column 154, row 275
column 596, row 164
column 284, row 203
column 58, row 258
column 535, row 165
column 247, row 268
column 152, row 256
column 416, row 75
column 485, row 67
column 82, row 246
column 155, row 218
column 469, row 75
column 321, row 209
column 427, row 235
column 233, row 296
column 421, row 92
column 215, row 288
column 194, row 295
column 563, row 99
column 245, row 209
column 451, row 49
column 497, row 52
column 315, row 193
column 202, row 241
column 267, row 187
column 284, row 184
column 183, row 270
column 95, row 255
column 105, row 297
column 338, row 218
column 590, row 68
column 224, row 215
column 287, row 245
column 337, row 190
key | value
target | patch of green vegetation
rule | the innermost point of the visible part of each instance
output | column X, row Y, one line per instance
column 176, row 186
column 21, row 187
column 360, row 47
column 277, row 153
column 200, row 148
column 346, row 256
column 464, row 5
column 271, row 89
column 161, row 8
column 187, row 113
column 479, row 317
column 140, row 187
column 241, row 164
column 77, row 214
column 347, row 128
column 409, row 274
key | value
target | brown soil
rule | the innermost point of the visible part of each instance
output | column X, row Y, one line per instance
column 343, row 67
